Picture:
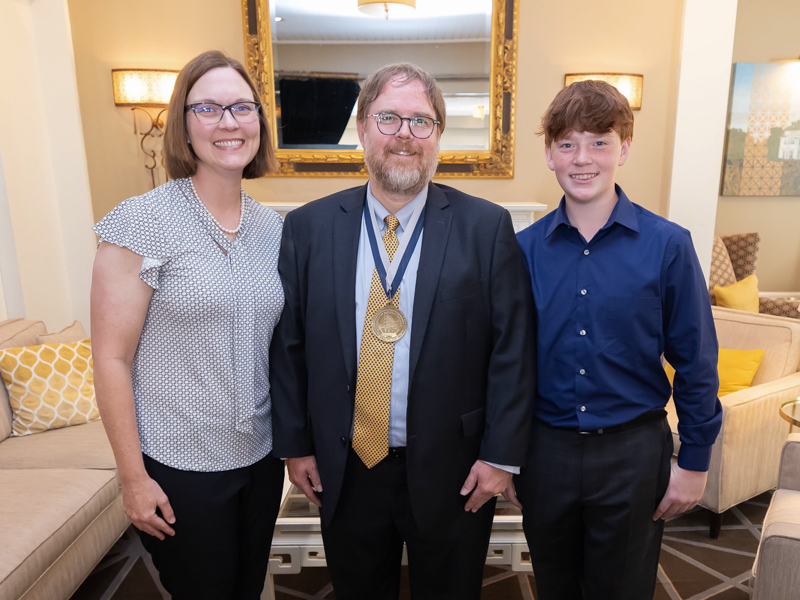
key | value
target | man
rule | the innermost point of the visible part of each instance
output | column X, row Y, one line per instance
column 401, row 368
column 615, row 288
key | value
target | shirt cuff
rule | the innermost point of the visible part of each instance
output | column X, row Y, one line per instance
column 694, row 458
column 514, row 470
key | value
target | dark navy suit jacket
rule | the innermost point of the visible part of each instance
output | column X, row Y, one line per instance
column 471, row 366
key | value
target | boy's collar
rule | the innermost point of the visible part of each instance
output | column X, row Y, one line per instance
column 622, row 213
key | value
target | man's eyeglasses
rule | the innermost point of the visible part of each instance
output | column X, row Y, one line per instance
column 209, row 113
column 390, row 123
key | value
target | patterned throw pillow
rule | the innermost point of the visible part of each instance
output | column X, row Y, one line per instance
column 722, row 273
column 780, row 307
column 49, row 386
column 743, row 251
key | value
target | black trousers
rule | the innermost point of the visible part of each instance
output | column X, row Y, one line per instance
column 364, row 540
column 223, row 530
column 588, row 506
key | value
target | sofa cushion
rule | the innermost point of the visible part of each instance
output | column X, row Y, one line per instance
column 779, row 338
column 742, row 295
column 43, row 511
column 721, row 272
column 743, row 252
column 79, row 447
column 20, row 332
column 49, row 386
column 71, row 333
column 15, row 333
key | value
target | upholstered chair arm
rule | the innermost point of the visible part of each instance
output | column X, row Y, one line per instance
column 789, row 474
column 775, row 573
column 744, row 459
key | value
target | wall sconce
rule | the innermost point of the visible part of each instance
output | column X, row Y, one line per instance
column 140, row 88
column 374, row 8
column 630, row 85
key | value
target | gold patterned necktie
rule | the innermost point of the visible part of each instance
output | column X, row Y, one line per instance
column 374, row 380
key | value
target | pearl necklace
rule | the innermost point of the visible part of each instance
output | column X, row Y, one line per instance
column 213, row 218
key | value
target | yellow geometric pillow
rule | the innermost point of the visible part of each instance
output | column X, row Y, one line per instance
column 736, row 369
column 742, row 295
column 49, row 386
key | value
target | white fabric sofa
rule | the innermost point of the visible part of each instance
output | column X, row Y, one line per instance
column 60, row 500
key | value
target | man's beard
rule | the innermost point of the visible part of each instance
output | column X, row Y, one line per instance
column 400, row 179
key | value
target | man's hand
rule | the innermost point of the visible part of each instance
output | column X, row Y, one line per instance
column 484, row 481
column 303, row 473
column 510, row 494
column 140, row 500
column 683, row 492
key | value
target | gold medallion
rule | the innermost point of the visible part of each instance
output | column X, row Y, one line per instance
column 389, row 324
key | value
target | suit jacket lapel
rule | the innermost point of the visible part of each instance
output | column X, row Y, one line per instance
column 346, row 233
column 434, row 242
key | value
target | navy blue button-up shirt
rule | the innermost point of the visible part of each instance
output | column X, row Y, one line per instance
column 606, row 312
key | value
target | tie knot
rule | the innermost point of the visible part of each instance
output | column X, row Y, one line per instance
column 391, row 222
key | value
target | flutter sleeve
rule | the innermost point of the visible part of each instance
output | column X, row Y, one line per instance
column 132, row 224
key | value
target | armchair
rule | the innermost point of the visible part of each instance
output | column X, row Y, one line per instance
column 744, row 459
column 776, row 571
column 734, row 257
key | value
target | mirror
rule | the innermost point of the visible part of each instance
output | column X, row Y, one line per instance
column 309, row 64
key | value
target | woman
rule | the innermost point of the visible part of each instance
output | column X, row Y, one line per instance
column 185, row 296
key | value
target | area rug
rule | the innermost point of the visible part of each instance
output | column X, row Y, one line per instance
column 692, row 566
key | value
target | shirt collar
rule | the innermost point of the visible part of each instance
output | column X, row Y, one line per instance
column 403, row 215
column 623, row 213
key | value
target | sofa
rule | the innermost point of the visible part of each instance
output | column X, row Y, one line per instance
column 735, row 257
column 60, row 500
column 776, row 571
column 745, row 456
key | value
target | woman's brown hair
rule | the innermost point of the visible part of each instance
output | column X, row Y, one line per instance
column 179, row 158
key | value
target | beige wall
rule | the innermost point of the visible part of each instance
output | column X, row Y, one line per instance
column 767, row 30
column 44, row 166
column 626, row 36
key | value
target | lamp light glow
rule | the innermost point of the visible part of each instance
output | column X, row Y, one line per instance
column 630, row 85
column 143, row 87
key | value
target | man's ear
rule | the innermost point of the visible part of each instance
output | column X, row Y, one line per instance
column 360, row 131
column 624, row 151
column 549, row 157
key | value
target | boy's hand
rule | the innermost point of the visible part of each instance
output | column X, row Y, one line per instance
column 683, row 492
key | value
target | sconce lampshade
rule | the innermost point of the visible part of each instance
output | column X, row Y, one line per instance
column 374, row 8
column 143, row 87
column 629, row 85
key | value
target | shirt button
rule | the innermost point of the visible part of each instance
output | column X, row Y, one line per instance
column 582, row 371
column 586, row 252
column 583, row 332
column 583, row 292
column 583, row 409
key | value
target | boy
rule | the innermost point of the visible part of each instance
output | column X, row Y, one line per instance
column 615, row 286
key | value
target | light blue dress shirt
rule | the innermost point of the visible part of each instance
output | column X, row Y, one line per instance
column 364, row 266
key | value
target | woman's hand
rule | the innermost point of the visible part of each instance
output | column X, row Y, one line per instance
column 141, row 500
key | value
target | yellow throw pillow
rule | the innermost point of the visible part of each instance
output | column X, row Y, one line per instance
column 736, row 369
column 742, row 295
column 49, row 386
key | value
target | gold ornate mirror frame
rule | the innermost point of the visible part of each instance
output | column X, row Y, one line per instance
column 496, row 162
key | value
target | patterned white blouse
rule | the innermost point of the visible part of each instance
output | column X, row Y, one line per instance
column 201, row 370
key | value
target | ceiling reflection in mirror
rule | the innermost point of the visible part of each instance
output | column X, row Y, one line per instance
column 321, row 50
